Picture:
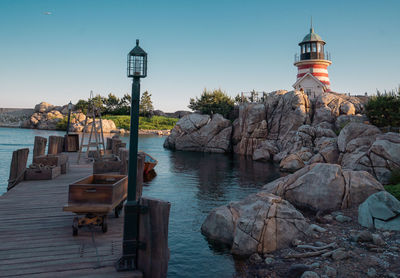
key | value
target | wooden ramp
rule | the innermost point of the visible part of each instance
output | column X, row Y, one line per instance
column 36, row 235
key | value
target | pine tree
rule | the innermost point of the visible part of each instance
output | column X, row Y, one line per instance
column 146, row 105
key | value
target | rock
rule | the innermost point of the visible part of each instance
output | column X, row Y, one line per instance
column 391, row 275
column 342, row 219
column 339, row 255
column 291, row 163
column 347, row 108
column 371, row 272
column 330, row 271
column 260, row 223
column 269, row 260
column 255, row 258
column 43, row 107
column 381, row 210
column 357, row 131
column 323, row 186
column 296, row 270
column 315, row 265
column 364, row 236
column 108, row 126
column 377, row 240
column 203, row 133
column 309, row 274
column 219, row 225
column 343, row 120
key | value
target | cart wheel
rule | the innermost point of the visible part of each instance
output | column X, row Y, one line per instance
column 75, row 226
column 117, row 210
column 104, row 224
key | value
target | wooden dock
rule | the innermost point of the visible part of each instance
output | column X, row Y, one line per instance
column 36, row 234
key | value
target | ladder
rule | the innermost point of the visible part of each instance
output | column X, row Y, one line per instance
column 95, row 140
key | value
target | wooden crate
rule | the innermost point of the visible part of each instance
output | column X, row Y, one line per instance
column 53, row 160
column 104, row 190
column 71, row 142
column 42, row 174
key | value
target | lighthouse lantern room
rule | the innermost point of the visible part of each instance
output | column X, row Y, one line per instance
column 312, row 65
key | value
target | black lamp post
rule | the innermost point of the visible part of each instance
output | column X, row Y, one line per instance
column 69, row 115
column 137, row 68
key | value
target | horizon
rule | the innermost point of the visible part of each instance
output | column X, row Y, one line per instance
column 60, row 51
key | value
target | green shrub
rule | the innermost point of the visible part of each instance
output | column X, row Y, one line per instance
column 395, row 177
column 212, row 102
column 384, row 109
column 155, row 122
column 62, row 124
column 394, row 190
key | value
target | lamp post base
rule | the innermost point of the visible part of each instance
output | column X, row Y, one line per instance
column 126, row 263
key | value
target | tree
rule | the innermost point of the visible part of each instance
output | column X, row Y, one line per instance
column 82, row 105
column 384, row 109
column 112, row 104
column 146, row 105
column 213, row 102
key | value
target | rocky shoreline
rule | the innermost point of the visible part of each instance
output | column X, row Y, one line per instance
column 46, row 116
column 331, row 217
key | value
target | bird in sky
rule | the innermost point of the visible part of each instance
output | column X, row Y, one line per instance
column 47, row 13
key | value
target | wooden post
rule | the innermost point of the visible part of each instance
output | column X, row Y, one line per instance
column 39, row 147
column 18, row 167
column 153, row 231
column 109, row 144
column 124, row 156
column 139, row 177
column 56, row 144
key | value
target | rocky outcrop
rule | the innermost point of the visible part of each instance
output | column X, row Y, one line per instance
column 364, row 147
column 323, row 186
column 260, row 223
column 14, row 117
column 202, row 133
column 381, row 211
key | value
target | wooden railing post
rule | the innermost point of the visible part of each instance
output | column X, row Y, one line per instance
column 18, row 167
column 153, row 233
column 56, row 144
column 39, row 147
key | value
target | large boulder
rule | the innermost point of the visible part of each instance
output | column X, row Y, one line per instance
column 276, row 119
column 323, row 186
column 43, row 107
column 260, row 223
column 195, row 132
column 107, row 125
column 381, row 211
column 291, row 163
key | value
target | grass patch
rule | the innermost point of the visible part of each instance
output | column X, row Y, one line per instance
column 394, row 190
column 155, row 122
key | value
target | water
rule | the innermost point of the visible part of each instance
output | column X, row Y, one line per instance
column 194, row 183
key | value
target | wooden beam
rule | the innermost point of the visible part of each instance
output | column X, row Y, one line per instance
column 153, row 231
column 56, row 144
column 18, row 167
column 39, row 147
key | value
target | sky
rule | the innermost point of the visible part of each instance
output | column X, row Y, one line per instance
column 60, row 50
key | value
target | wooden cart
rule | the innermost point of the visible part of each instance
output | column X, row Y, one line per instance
column 95, row 197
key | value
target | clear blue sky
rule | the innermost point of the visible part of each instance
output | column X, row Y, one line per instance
column 192, row 45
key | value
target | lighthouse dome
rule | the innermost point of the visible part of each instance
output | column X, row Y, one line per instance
column 312, row 37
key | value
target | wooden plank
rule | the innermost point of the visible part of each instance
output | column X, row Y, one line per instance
column 39, row 147
column 153, row 231
column 18, row 166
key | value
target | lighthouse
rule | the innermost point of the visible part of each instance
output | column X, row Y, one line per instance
column 312, row 65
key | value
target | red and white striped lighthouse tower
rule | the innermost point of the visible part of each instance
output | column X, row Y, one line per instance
column 312, row 65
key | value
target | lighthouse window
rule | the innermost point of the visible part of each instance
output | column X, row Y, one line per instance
column 314, row 47
column 308, row 47
column 302, row 49
column 318, row 47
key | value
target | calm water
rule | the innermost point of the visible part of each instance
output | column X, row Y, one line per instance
column 193, row 182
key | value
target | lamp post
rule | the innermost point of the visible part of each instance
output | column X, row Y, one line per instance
column 137, row 68
column 69, row 114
